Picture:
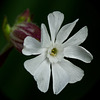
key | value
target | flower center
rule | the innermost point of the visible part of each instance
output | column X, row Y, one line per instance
column 53, row 52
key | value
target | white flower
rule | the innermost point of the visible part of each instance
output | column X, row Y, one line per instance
column 52, row 49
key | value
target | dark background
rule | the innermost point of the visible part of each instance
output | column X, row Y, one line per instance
column 17, row 84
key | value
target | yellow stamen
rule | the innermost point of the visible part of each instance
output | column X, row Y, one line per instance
column 53, row 52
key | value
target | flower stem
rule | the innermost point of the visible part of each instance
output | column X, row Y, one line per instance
column 5, row 48
column 4, row 53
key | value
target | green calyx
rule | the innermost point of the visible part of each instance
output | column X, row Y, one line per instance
column 6, row 28
column 22, row 19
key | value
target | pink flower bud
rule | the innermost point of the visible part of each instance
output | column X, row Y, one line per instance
column 21, row 31
column 24, row 17
column 22, row 27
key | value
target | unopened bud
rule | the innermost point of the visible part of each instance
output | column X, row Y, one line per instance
column 22, row 28
column 21, row 31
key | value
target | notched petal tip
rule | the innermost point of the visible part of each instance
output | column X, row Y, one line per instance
column 42, row 76
column 23, row 51
column 26, row 39
column 56, row 13
column 55, row 20
column 26, row 52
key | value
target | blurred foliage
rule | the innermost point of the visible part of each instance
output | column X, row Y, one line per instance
column 15, row 82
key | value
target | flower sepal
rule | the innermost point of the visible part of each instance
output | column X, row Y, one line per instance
column 24, row 17
column 6, row 28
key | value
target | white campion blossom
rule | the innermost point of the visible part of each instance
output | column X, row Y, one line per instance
column 52, row 52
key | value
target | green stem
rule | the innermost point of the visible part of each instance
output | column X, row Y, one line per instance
column 5, row 48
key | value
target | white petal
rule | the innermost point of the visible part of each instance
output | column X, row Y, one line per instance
column 45, row 38
column 32, row 64
column 42, row 76
column 60, row 78
column 55, row 20
column 31, row 42
column 31, row 46
column 65, row 32
column 79, row 53
column 78, row 38
column 75, row 73
column 34, row 51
